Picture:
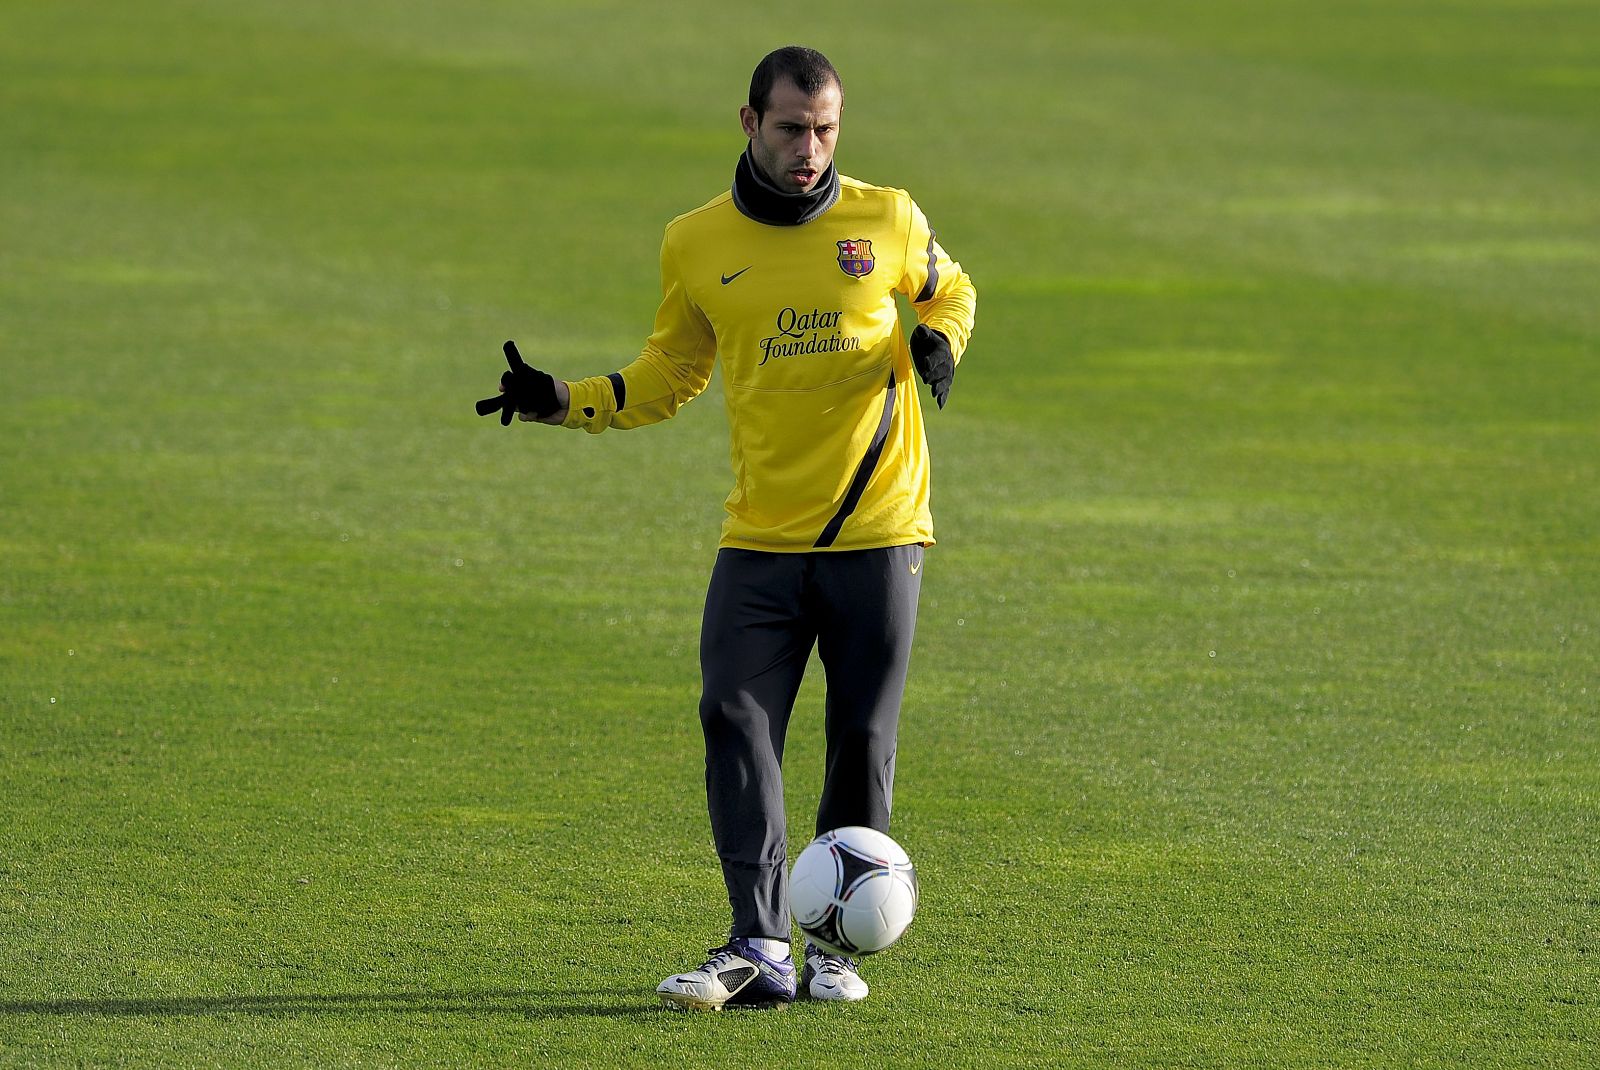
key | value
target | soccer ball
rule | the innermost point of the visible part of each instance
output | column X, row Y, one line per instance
column 853, row 891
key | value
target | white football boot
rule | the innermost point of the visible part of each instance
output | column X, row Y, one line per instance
column 736, row 975
column 831, row 976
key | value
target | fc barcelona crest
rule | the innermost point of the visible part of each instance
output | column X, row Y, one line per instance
column 855, row 257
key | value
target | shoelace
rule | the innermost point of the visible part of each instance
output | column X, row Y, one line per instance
column 720, row 957
column 836, row 964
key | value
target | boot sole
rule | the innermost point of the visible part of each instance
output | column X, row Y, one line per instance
column 689, row 1003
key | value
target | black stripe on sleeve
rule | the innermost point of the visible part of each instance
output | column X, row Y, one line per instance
column 932, row 285
column 858, row 485
column 619, row 388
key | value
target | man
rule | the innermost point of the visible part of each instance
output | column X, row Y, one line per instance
column 790, row 278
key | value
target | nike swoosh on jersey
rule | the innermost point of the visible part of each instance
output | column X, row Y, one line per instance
column 729, row 278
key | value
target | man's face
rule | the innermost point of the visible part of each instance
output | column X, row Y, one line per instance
column 793, row 142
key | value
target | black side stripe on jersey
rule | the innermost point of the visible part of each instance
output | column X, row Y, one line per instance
column 869, row 462
column 929, row 287
column 619, row 388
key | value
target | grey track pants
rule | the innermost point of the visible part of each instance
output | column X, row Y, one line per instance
column 764, row 612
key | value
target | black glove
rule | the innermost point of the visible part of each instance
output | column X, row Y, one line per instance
column 522, row 389
column 930, row 352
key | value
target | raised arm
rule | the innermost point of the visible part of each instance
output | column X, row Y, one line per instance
column 673, row 368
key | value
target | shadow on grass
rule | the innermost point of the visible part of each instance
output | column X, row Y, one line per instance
column 598, row 1003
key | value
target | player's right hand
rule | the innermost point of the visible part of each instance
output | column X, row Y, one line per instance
column 523, row 389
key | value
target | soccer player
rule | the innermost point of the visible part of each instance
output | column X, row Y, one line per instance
column 789, row 278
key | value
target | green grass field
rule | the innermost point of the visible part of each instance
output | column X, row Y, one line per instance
column 1255, row 714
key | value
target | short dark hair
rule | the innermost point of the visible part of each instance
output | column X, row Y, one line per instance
column 807, row 68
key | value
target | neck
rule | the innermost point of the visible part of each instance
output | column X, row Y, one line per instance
column 758, row 197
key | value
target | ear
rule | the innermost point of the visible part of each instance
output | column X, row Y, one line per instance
column 749, row 120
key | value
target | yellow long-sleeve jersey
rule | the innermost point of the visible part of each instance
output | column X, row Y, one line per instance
column 825, row 422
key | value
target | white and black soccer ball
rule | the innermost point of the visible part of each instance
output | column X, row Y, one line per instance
column 853, row 891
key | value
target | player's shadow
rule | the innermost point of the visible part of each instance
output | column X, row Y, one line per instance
column 526, row 1003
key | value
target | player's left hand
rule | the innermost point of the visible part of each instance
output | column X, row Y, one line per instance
column 524, row 390
column 930, row 352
